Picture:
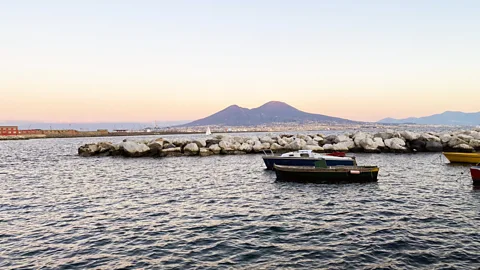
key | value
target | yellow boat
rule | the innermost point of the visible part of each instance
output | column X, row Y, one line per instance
column 454, row 157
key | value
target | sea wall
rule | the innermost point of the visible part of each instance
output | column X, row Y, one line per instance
column 386, row 141
column 22, row 137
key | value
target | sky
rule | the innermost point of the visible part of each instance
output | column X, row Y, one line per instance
column 102, row 61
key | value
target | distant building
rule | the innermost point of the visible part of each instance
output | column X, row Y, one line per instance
column 8, row 130
column 30, row 131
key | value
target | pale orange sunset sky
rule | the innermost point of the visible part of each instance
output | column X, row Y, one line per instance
column 97, row 61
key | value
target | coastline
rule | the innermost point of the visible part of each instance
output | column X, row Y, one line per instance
column 91, row 134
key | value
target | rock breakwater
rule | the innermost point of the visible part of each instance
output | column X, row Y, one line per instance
column 385, row 141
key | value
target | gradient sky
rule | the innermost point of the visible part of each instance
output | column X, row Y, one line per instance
column 93, row 61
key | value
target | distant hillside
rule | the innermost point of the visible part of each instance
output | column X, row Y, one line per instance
column 90, row 126
column 446, row 118
column 271, row 112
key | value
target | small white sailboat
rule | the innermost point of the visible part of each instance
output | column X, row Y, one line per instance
column 208, row 131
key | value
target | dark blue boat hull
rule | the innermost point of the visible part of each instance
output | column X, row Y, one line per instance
column 270, row 161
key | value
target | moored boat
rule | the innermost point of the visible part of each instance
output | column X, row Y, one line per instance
column 475, row 171
column 337, row 174
column 307, row 158
column 457, row 157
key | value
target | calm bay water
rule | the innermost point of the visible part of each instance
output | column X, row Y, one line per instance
column 61, row 211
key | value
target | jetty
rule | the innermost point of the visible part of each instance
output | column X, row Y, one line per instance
column 387, row 141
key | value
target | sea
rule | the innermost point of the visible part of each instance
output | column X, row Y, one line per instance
column 62, row 211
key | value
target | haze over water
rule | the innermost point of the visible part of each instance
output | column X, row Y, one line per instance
column 130, row 61
column 62, row 211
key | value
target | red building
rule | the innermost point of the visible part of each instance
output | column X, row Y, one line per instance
column 8, row 130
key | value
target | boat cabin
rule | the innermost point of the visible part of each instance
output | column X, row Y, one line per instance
column 300, row 153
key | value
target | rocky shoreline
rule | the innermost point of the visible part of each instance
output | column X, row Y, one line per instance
column 381, row 142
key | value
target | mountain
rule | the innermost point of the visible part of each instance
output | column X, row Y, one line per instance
column 446, row 118
column 271, row 112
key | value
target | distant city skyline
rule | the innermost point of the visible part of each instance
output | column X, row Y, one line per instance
column 141, row 61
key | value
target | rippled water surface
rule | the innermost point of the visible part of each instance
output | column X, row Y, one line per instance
column 58, row 210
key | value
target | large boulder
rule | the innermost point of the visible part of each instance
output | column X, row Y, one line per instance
column 395, row 144
column 239, row 140
column 445, row 138
column 222, row 137
column 106, row 147
column 168, row 146
column 318, row 139
column 237, row 145
column 211, row 142
column 288, row 140
column 474, row 143
column 203, row 152
column 215, row 148
column 328, row 147
column 200, row 143
column 257, row 147
column 455, row 141
column 465, row 137
column 330, row 139
column 418, row 145
column 433, row 146
column 384, row 135
column 365, row 142
column 134, row 149
column 265, row 145
column 245, row 147
column 341, row 147
column 171, row 152
column 191, row 149
column 314, row 148
column 341, row 138
column 226, row 146
column 358, row 136
column 463, row 147
column 429, row 137
column 350, row 144
column 312, row 142
column 266, row 139
column 229, row 147
column 282, row 142
column 88, row 150
column 252, row 141
column 155, row 147
column 276, row 147
column 302, row 136
column 409, row 136
column 475, row 135
column 379, row 142
column 297, row 144
column 160, row 140
column 180, row 142
column 371, row 146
